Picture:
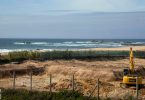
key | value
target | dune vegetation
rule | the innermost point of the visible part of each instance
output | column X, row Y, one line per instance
column 67, row 54
column 9, row 94
column 21, row 94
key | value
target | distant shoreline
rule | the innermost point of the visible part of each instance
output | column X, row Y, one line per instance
column 127, row 48
column 42, row 45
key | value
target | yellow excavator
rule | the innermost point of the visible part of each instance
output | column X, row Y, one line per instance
column 130, row 78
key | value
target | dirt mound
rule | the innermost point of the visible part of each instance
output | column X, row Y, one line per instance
column 21, row 69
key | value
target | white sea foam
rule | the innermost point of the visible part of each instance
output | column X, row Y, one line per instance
column 133, row 43
column 19, row 43
column 86, row 42
column 76, row 44
column 39, row 43
column 4, row 50
column 138, row 43
column 69, row 42
column 70, row 45
column 30, row 43
column 11, row 50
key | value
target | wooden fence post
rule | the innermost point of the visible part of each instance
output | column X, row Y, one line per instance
column 31, row 80
column 50, row 83
column 98, row 89
column 14, row 79
column 73, row 84
column 137, row 93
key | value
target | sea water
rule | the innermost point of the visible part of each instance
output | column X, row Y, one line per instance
column 7, row 45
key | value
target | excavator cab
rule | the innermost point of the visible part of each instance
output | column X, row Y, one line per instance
column 125, row 72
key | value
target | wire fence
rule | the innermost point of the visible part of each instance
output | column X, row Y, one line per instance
column 50, row 83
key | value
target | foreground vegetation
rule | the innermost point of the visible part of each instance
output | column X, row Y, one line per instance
column 21, row 94
column 10, row 94
column 51, row 55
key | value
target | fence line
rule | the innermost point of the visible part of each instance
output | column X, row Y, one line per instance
column 137, row 88
column 50, row 84
column 31, row 73
column 73, row 84
column 96, row 88
column 14, row 79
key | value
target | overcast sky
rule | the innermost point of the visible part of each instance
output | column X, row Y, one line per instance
column 72, row 18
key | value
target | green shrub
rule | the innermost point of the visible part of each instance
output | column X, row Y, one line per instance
column 9, row 94
column 56, row 54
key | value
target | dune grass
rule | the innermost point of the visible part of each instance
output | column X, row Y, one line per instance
column 51, row 55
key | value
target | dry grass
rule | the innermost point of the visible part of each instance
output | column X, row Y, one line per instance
column 86, row 73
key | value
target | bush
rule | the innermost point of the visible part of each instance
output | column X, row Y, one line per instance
column 9, row 94
column 50, row 55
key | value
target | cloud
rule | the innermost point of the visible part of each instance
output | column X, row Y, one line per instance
column 72, row 18
column 108, row 5
column 42, row 6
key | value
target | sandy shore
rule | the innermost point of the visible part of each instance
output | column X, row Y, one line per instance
column 135, row 48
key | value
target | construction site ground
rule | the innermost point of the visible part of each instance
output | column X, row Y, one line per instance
column 86, row 72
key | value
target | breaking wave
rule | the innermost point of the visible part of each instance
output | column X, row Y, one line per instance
column 76, row 44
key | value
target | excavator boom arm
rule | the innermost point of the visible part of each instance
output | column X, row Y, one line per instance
column 131, row 61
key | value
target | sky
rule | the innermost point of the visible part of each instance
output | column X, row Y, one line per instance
column 72, row 19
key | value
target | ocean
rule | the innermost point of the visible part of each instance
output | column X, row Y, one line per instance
column 8, row 45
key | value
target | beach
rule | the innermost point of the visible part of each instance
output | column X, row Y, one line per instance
column 127, row 48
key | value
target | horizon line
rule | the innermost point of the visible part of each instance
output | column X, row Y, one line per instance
column 77, row 38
